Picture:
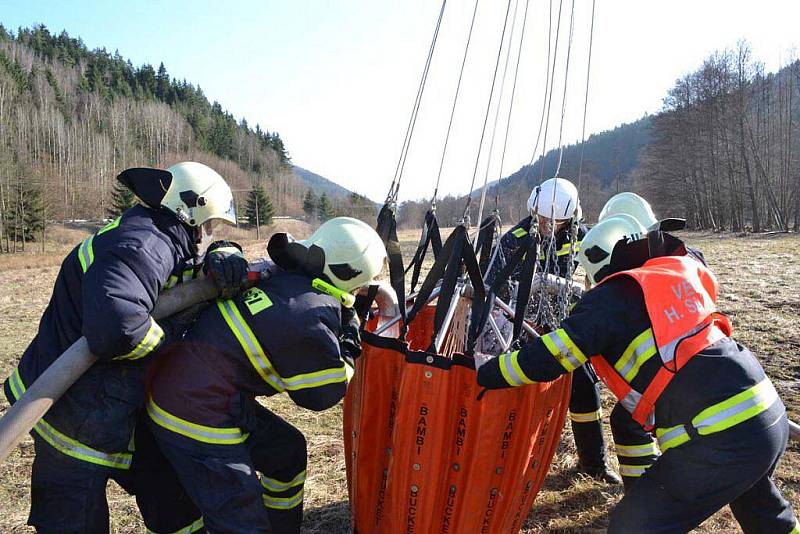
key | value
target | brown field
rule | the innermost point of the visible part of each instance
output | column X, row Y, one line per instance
column 760, row 292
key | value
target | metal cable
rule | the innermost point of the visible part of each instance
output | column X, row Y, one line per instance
column 455, row 101
column 398, row 173
column 464, row 216
column 564, row 97
column 586, row 99
column 497, row 113
column 550, row 97
column 511, row 107
column 546, row 92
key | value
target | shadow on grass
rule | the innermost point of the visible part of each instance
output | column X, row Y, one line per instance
column 333, row 518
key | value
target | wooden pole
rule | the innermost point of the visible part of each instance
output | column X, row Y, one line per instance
column 62, row 373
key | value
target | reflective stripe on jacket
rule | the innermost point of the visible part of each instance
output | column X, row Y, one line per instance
column 680, row 296
column 280, row 336
column 105, row 290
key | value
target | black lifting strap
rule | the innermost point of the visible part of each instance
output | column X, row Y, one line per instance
column 431, row 236
column 528, row 243
column 456, row 253
column 484, row 244
column 387, row 230
column 524, row 289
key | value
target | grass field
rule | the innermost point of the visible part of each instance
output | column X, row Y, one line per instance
column 760, row 278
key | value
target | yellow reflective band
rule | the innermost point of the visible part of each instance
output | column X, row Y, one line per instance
column 633, row 451
column 634, row 471
column 65, row 444
column 256, row 300
column 586, row 417
column 640, row 350
column 564, row 349
column 736, row 409
column 519, row 232
column 796, row 529
column 274, row 485
column 316, row 379
column 284, row 503
column 206, row 434
column 149, row 342
column 671, row 437
column 171, row 281
column 511, row 371
column 194, row 527
column 250, row 344
column 110, row 226
column 86, row 254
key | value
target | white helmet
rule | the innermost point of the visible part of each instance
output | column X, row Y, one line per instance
column 198, row 194
column 630, row 204
column 354, row 253
column 556, row 198
column 638, row 208
column 598, row 243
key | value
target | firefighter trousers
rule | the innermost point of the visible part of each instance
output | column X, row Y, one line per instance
column 68, row 496
column 585, row 415
column 253, row 486
column 690, row 482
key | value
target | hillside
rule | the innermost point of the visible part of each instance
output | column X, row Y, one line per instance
column 72, row 118
column 609, row 157
column 320, row 184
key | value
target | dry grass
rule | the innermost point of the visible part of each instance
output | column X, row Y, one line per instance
column 759, row 277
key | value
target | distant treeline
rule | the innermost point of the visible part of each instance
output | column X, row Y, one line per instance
column 724, row 153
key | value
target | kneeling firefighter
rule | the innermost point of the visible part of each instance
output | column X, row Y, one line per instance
column 555, row 209
column 242, row 465
column 719, row 422
column 105, row 290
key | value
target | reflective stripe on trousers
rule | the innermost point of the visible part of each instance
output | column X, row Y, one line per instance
column 588, row 417
column 274, row 488
column 205, row 434
column 723, row 415
column 194, row 527
column 65, row 444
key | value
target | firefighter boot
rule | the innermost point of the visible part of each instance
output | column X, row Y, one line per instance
column 592, row 458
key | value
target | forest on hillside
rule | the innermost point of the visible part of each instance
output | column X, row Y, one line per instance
column 72, row 118
column 724, row 152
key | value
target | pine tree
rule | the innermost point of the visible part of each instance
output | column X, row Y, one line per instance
column 259, row 208
column 121, row 199
column 324, row 208
column 162, row 82
column 26, row 219
column 310, row 204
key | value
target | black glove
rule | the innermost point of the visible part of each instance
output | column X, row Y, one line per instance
column 226, row 266
column 490, row 377
column 175, row 326
column 349, row 337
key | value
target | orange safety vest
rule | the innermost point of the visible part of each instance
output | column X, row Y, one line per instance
column 680, row 294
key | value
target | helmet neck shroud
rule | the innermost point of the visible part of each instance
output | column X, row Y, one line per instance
column 629, row 254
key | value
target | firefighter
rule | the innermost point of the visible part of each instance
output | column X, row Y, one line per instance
column 651, row 329
column 241, row 464
column 636, row 448
column 556, row 203
column 105, row 290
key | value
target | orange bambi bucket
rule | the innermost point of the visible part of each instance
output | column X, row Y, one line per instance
column 424, row 455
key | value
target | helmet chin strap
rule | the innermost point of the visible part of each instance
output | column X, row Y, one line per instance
column 202, row 239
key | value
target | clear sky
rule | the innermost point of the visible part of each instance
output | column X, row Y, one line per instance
column 337, row 78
